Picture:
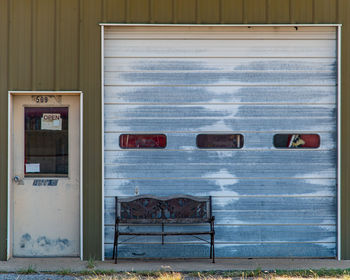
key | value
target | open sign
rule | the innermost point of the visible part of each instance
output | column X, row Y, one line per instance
column 51, row 117
column 51, row 121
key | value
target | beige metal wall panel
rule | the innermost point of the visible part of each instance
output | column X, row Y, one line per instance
column 21, row 40
column 231, row 11
column 302, row 11
column 4, row 5
column 255, row 11
column 278, row 11
column 325, row 11
column 209, row 11
column 90, row 84
column 185, row 11
column 162, row 11
column 344, row 10
column 44, row 44
column 67, row 45
column 114, row 10
column 139, row 11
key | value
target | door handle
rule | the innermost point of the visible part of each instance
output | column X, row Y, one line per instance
column 18, row 180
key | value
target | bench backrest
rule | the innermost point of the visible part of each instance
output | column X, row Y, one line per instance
column 146, row 209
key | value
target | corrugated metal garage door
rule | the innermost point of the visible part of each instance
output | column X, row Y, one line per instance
column 258, row 81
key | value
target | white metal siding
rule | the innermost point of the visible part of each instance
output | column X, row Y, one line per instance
column 256, row 81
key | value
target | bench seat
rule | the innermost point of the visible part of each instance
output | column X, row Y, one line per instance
column 166, row 233
column 163, row 211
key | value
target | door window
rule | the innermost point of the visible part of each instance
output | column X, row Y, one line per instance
column 46, row 141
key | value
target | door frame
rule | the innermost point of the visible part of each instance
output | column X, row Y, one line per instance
column 11, row 95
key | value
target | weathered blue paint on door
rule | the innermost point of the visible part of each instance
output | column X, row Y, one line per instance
column 267, row 202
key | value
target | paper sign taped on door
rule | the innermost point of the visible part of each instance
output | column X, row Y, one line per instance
column 51, row 121
column 32, row 167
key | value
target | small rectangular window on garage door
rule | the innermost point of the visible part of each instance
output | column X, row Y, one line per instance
column 142, row 141
column 296, row 141
column 220, row 141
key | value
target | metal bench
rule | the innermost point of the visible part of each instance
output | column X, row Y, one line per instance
column 147, row 209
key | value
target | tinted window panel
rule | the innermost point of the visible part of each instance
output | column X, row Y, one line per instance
column 142, row 141
column 296, row 141
column 46, row 141
column 220, row 141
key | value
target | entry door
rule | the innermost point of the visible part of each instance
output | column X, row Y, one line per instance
column 45, row 175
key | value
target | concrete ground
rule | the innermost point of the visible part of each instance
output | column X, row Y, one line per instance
column 76, row 265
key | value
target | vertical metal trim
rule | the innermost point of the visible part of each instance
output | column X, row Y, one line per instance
column 197, row 15
column 81, row 177
column 33, row 45
column 8, row 42
column 8, row 129
column 151, row 11
column 337, row 11
column 174, row 11
column 244, row 12
column 127, row 11
column 339, row 143
column 267, row 11
column 80, row 19
column 9, row 104
column 103, row 142
column 221, row 11
column 55, row 45
column 103, row 10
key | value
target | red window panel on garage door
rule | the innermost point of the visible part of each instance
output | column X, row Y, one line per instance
column 142, row 141
column 220, row 141
column 296, row 141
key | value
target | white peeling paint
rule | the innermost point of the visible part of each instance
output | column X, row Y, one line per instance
column 227, row 196
column 217, row 126
column 321, row 182
column 118, row 185
column 186, row 148
column 224, row 154
column 310, row 176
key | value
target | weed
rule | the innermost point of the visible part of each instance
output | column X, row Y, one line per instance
column 29, row 270
column 104, row 272
column 170, row 276
column 64, row 272
column 258, row 273
column 91, row 263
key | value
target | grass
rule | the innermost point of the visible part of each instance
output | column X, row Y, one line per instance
column 258, row 273
column 64, row 272
column 29, row 270
column 219, row 275
column 91, row 263
column 138, row 276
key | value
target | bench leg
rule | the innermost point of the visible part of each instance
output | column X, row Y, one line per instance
column 115, row 234
column 212, row 248
column 115, row 249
